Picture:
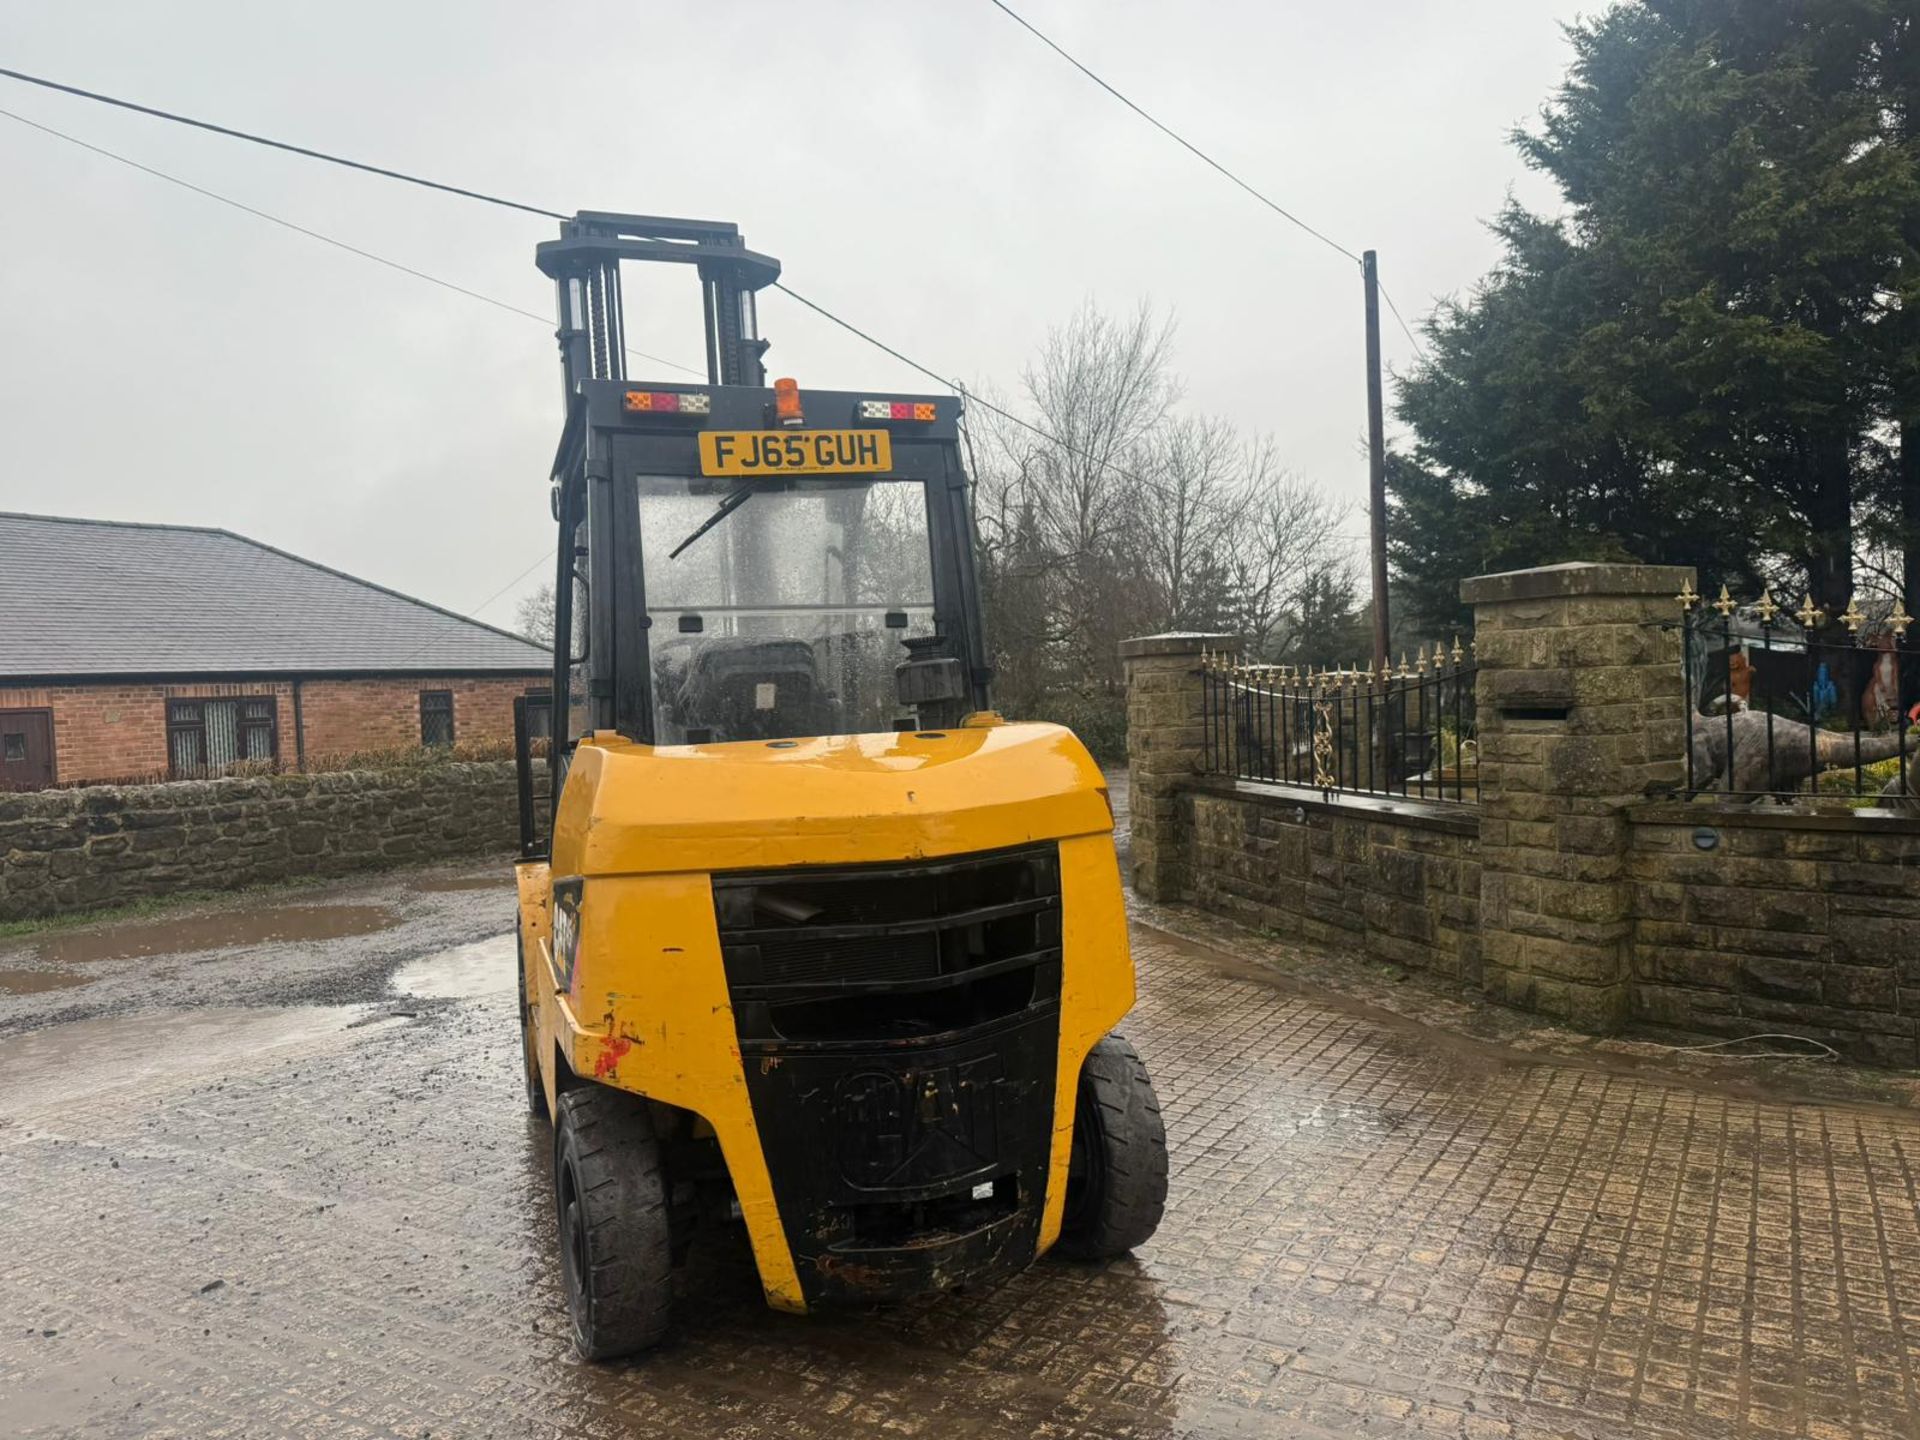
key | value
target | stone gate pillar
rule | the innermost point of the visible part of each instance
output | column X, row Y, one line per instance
column 1166, row 741
column 1580, row 701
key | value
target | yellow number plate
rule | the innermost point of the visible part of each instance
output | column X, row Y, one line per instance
column 795, row 452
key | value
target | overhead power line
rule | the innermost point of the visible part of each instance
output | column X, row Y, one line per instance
column 1170, row 132
column 475, row 612
column 273, row 144
column 324, row 239
column 483, row 197
column 971, row 398
column 364, row 254
column 1405, row 329
column 1196, row 151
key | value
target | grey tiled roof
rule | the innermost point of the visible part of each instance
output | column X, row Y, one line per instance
column 96, row 597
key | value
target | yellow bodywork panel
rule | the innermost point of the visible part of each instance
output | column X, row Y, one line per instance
column 1096, row 990
column 646, row 1005
column 843, row 800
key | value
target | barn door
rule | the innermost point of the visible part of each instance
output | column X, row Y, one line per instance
column 26, row 749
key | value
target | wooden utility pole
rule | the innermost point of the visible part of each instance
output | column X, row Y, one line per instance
column 1376, row 464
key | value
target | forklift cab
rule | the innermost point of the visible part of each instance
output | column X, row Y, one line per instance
column 768, row 559
column 772, row 594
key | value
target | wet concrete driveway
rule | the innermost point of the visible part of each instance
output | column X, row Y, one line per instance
column 333, row 1219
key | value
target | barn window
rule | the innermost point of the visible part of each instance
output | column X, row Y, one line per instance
column 205, row 737
column 436, row 717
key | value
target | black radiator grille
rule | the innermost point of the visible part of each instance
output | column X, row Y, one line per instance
column 841, row 953
column 810, row 960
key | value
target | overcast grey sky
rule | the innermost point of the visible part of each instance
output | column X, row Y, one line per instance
column 928, row 170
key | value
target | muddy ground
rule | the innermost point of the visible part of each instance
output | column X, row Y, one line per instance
column 265, row 1170
column 290, row 946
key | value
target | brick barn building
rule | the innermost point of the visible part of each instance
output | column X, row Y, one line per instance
column 134, row 651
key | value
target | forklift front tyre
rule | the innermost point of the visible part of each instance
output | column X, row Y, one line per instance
column 611, row 1194
column 529, row 1061
column 1117, row 1178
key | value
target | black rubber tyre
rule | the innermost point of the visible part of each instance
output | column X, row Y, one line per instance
column 611, row 1198
column 529, row 1062
column 1117, row 1181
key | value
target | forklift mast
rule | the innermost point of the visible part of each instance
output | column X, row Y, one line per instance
column 584, row 264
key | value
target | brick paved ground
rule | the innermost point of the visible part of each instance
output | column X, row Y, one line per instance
column 262, row 1223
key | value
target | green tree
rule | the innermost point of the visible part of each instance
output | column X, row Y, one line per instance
column 1331, row 629
column 1895, row 85
column 1693, row 364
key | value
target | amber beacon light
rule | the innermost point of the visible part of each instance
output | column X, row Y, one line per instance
column 786, row 401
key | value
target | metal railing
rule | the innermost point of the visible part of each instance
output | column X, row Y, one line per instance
column 1777, row 711
column 1409, row 732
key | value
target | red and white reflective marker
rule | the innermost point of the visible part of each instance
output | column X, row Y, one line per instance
column 895, row 410
column 667, row 402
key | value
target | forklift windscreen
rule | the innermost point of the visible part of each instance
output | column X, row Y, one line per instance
column 788, row 615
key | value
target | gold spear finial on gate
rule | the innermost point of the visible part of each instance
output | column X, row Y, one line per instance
column 1899, row 621
column 1726, row 604
column 1687, row 598
column 1764, row 607
column 1458, row 653
column 1809, row 614
column 1853, row 618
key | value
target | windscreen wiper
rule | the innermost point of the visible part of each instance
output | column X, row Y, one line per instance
column 733, row 500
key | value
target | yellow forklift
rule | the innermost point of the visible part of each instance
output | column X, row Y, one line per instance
column 810, row 937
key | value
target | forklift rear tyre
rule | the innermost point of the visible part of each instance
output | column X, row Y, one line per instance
column 529, row 1061
column 1117, row 1179
column 611, row 1195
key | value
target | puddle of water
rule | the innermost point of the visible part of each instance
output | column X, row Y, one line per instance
column 482, row 968
column 219, row 931
column 465, row 882
column 41, row 1069
column 34, row 982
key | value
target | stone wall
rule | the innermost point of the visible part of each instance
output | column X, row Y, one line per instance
column 1755, row 920
column 107, row 845
column 1166, row 742
column 1401, row 883
column 1573, row 890
column 1581, row 712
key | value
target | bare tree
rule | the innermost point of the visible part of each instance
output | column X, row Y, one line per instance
column 1288, row 542
column 1193, row 495
column 1104, row 513
column 533, row 616
column 1100, row 388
